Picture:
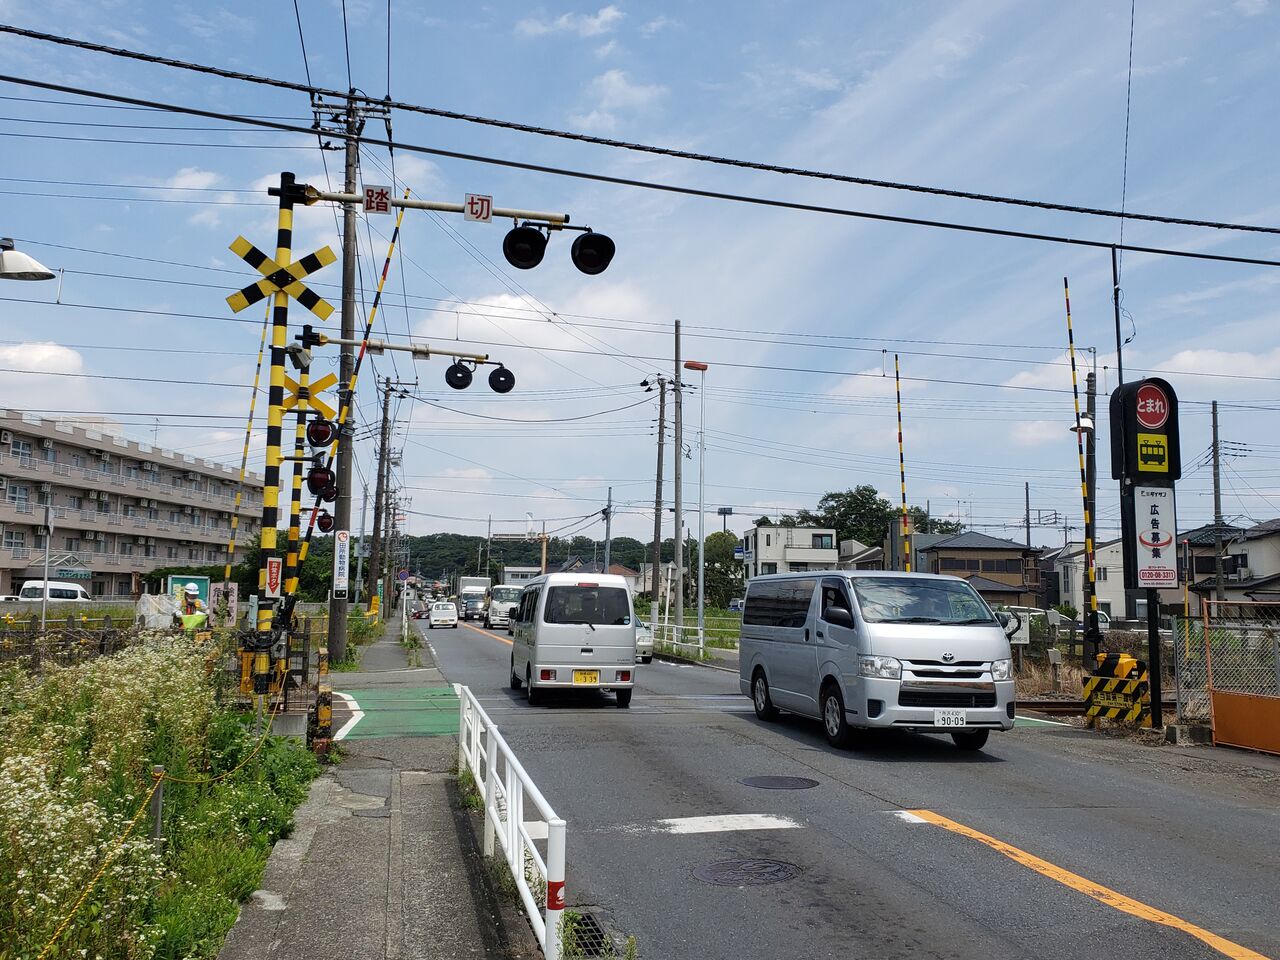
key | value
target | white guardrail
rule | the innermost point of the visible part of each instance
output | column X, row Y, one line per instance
column 509, row 796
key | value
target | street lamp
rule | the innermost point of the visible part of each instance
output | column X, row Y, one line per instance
column 702, row 512
column 16, row 265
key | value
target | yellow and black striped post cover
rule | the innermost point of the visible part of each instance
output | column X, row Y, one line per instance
column 1119, row 689
column 281, row 277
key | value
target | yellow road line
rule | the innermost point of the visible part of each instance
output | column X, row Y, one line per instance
column 488, row 634
column 1104, row 895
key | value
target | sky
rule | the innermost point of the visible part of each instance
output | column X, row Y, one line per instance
column 798, row 314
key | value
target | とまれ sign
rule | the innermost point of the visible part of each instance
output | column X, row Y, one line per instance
column 1144, row 432
column 1155, row 524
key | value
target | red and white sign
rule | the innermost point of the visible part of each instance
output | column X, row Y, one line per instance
column 1155, row 523
column 477, row 207
column 1152, row 406
column 275, row 573
column 377, row 199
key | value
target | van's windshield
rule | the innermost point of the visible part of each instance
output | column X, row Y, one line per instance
column 505, row 594
column 912, row 600
column 607, row 606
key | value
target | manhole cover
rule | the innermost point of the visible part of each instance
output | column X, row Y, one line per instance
column 779, row 783
column 745, row 873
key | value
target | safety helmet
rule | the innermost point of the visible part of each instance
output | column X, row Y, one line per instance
column 192, row 590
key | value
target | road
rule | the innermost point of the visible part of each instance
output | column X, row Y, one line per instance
column 904, row 847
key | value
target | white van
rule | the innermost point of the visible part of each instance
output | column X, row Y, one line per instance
column 572, row 632
column 502, row 601
column 871, row 648
column 60, row 591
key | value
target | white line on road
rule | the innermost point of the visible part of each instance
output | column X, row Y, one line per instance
column 1055, row 723
column 356, row 715
column 908, row 816
column 723, row 823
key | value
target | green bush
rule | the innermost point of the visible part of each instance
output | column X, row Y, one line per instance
column 76, row 750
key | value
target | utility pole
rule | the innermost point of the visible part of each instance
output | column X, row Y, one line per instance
column 655, row 573
column 1026, row 489
column 380, row 489
column 1092, row 635
column 679, row 468
column 1218, row 589
column 608, row 531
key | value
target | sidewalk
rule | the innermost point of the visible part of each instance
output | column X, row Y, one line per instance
column 382, row 862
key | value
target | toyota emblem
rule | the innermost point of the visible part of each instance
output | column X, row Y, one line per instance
column 948, row 657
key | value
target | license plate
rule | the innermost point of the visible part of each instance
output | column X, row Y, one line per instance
column 949, row 718
column 586, row 676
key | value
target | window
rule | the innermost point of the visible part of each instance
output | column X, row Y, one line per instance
column 175, row 516
column 907, row 600
column 768, row 568
column 1066, row 579
column 122, row 588
column 15, row 539
column 44, row 499
column 21, row 449
column 778, row 603
column 952, row 563
column 834, row 595
column 606, row 606
column 132, row 472
column 822, row 541
column 768, row 539
column 50, row 455
column 40, row 538
column 799, row 568
column 19, row 493
column 77, row 459
column 71, row 543
column 104, row 505
column 1100, row 574
column 991, row 566
column 171, row 553
column 75, row 503
column 125, row 548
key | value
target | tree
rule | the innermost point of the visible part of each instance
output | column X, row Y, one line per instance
column 860, row 513
column 922, row 522
column 722, row 574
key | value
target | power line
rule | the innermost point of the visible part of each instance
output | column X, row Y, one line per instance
column 748, row 199
column 483, row 416
column 621, row 144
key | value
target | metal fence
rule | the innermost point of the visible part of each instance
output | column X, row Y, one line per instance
column 516, row 818
column 64, row 642
column 1243, row 647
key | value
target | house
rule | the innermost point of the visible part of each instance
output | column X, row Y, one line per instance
column 1108, row 560
column 520, row 575
column 770, row 549
column 1003, row 571
column 894, row 553
column 576, row 564
column 1251, row 568
column 856, row 555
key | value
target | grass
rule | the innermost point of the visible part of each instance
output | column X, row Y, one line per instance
column 76, row 749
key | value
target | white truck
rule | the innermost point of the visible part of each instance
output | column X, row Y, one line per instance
column 502, row 600
column 472, row 588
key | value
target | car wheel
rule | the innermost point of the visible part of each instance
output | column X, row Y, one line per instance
column 533, row 695
column 834, row 722
column 516, row 682
column 648, row 659
column 970, row 739
column 765, row 709
column 624, row 698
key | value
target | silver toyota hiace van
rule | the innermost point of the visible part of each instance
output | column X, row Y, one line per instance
column 871, row 648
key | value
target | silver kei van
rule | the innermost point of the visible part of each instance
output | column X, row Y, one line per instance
column 574, row 631
column 870, row 648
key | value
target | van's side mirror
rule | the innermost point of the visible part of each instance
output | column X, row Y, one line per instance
column 1011, row 622
column 838, row 617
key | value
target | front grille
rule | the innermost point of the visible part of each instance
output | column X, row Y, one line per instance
column 944, row 698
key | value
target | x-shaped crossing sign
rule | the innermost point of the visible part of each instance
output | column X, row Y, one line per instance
column 287, row 278
column 314, row 402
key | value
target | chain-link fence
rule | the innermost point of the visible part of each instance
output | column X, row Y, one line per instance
column 1243, row 647
column 1191, row 676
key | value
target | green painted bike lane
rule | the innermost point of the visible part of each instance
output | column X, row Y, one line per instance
column 404, row 712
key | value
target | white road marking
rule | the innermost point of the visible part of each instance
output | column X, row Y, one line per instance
column 908, row 816
column 724, row 823
column 356, row 715
column 1055, row 723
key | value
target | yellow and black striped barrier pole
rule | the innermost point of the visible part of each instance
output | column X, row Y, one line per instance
column 902, row 467
column 244, row 456
column 1090, row 584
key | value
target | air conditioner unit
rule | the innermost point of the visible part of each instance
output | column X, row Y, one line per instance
column 151, row 541
column 188, row 510
column 4, row 483
column 46, row 488
column 46, row 444
column 6, row 436
column 140, row 540
column 104, row 457
column 94, row 495
column 191, row 475
column 92, row 535
column 151, row 504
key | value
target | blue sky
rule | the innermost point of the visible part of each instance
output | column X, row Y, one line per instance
column 1025, row 99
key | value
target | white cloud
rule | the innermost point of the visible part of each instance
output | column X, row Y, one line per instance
column 658, row 24
column 191, row 178
column 1034, row 433
column 614, row 91
column 817, row 79
column 605, row 20
column 1250, row 8
column 605, row 49
column 46, row 357
column 952, row 50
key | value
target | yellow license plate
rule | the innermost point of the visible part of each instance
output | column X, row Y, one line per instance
column 586, row 676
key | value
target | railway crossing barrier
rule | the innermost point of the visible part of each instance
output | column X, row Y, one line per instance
column 509, row 795
column 1118, row 689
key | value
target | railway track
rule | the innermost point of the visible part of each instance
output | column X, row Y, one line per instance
column 1071, row 708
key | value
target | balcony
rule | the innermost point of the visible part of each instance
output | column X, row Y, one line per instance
column 806, row 554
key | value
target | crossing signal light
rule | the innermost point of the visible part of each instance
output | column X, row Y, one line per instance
column 321, row 432
column 592, row 253
column 458, row 375
column 320, row 480
column 502, row 380
column 329, row 493
column 325, row 522
column 524, row 246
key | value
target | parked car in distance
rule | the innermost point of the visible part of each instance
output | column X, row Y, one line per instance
column 9, row 599
column 421, row 612
column 736, row 605
column 1104, row 622
column 644, row 642
column 59, row 591
column 443, row 614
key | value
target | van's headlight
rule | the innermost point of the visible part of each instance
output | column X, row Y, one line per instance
column 1001, row 669
column 885, row 668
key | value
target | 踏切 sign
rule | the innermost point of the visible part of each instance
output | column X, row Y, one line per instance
column 275, row 573
column 1155, row 524
column 377, row 199
column 477, row 207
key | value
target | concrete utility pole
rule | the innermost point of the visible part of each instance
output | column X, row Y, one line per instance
column 1026, row 489
column 679, row 468
column 608, row 531
column 1218, row 589
column 655, row 574
column 380, row 489
column 360, row 545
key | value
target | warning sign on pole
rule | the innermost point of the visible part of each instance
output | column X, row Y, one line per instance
column 275, row 573
column 377, row 198
column 341, row 563
column 1155, row 526
column 476, row 206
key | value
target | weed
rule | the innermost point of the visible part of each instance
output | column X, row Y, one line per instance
column 471, row 799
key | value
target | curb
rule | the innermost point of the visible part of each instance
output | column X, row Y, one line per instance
column 676, row 658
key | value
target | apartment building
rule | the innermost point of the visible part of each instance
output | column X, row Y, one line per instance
column 769, row 549
column 120, row 509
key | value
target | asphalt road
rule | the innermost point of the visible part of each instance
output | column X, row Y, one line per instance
column 897, row 851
